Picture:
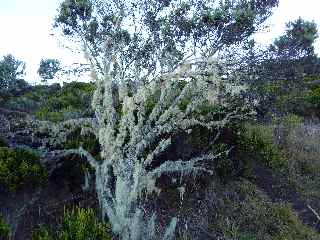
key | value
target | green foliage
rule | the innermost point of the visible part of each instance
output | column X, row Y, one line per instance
column 291, row 121
column 244, row 212
column 4, row 230
column 11, row 70
column 48, row 68
column 42, row 233
column 89, row 142
column 183, row 104
column 20, row 167
column 313, row 97
column 72, row 101
column 77, row 224
column 82, row 224
column 45, row 114
column 3, row 143
column 198, row 138
column 256, row 143
column 32, row 99
column 274, row 221
column 151, row 101
column 169, row 27
column 298, row 40
column 224, row 165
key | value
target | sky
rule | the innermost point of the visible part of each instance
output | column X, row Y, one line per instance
column 26, row 30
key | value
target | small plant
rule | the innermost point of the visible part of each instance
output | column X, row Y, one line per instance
column 42, row 233
column 4, row 229
column 3, row 143
column 224, row 165
column 72, row 100
column 256, row 143
column 244, row 212
column 89, row 142
column 77, row 224
column 19, row 167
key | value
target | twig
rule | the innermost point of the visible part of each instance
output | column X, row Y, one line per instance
column 314, row 212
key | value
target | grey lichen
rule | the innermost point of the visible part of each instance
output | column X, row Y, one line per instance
column 132, row 140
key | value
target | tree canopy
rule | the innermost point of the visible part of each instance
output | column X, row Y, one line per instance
column 139, row 39
column 48, row 68
column 297, row 41
column 11, row 71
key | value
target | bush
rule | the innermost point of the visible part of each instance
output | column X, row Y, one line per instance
column 19, row 167
column 244, row 212
column 89, row 142
column 32, row 99
column 73, row 100
column 77, row 224
column 3, row 143
column 256, row 143
column 4, row 230
column 313, row 97
column 42, row 234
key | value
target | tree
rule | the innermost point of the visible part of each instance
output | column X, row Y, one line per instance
column 11, row 71
column 156, row 80
column 48, row 68
column 277, row 74
column 138, row 39
column 297, row 42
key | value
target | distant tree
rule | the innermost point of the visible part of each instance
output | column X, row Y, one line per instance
column 277, row 74
column 297, row 42
column 11, row 71
column 48, row 68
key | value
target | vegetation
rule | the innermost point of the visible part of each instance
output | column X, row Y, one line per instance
column 3, row 143
column 48, row 68
column 88, row 141
column 256, row 143
column 19, row 168
column 4, row 230
column 77, row 224
column 244, row 212
column 235, row 138
column 72, row 101
column 11, row 71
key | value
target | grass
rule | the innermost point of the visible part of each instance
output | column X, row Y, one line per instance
column 77, row 224
column 244, row 212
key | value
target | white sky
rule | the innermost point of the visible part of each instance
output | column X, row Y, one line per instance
column 26, row 25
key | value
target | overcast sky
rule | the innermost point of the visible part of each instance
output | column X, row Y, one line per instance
column 25, row 27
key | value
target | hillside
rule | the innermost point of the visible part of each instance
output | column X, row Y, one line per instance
column 189, row 129
column 265, row 188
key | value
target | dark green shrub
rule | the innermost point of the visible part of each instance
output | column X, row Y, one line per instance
column 256, row 143
column 4, row 229
column 224, row 165
column 19, row 167
column 43, row 233
column 46, row 114
column 33, row 99
column 71, row 101
column 151, row 102
column 3, row 143
column 313, row 97
column 77, row 224
column 244, row 212
column 89, row 142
